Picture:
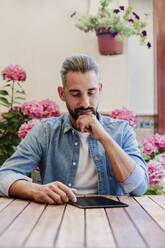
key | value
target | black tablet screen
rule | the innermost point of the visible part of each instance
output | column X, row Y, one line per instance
column 97, row 202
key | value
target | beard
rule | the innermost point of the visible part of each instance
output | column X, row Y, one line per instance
column 75, row 113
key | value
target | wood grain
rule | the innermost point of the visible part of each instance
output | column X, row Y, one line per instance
column 33, row 225
column 153, row 209
column 160, row 7
column 19, row 230
column 71, row 233
column 98, row 231
column 4, row 201
column 159, row 199
column 123, row 227
column 8, row 214
column 46, row 230
column 152, row 234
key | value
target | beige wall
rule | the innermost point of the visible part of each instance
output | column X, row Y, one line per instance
column 39, row 34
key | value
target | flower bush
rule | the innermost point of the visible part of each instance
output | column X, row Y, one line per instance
column 153, row 152
column 120, row 21
column 11, row 95
column 19, row 118
column 124, row 114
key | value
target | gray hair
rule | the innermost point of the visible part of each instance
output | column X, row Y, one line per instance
column 78, row 63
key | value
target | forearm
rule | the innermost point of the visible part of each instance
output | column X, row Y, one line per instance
column 122, row 164
column 55, row 192
column 23, row 189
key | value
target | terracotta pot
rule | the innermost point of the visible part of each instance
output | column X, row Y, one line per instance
column 107, row 44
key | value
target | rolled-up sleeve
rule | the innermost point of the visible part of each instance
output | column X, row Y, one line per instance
column 137, row 182
column 23, row 161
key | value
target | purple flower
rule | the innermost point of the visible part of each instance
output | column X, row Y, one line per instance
column 149, row 44
column 131, row 20
column 122, row 8
column 144, row 33
column 73, row 14
column 116, row 11
column 136, row 16
column 114, row 34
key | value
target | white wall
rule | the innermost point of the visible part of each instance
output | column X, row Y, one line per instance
column 39, row 34
column 141, row 62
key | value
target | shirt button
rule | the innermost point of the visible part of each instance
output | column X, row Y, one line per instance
column 74, row 163
column 76, row 143
column 69, row 184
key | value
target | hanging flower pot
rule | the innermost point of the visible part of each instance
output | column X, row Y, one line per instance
column 122, row 21
column 107, row 43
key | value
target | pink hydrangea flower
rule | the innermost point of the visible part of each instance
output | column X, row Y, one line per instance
column 149, row 146
column 26, row 127
column 154, row 144
column 160, row 141
column 156, row 172
column 50, row 108
column 124, row 114
column 32, row 109
column 163, row 156
column 14, row 73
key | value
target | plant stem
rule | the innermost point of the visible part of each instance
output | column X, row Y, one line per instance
column 12, row 95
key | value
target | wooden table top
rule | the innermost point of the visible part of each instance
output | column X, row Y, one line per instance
column 29, row 224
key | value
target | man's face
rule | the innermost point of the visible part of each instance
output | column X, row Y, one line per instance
column 81, row 93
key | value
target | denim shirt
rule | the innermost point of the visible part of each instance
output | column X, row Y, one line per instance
column 54, row 145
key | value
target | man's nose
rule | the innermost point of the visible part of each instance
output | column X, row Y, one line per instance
column 85, row 101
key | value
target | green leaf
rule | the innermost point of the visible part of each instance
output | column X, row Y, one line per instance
column 5, row 105
column 7, row 85
column 8, row 115
column 4, row 92
column 21, row 92
column 17, row 102
column 4, row 100
column 21, row 98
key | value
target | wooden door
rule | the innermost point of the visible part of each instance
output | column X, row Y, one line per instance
column 160, row 18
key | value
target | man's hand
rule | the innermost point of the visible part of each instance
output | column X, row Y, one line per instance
column 90, row 124
column 55, row 192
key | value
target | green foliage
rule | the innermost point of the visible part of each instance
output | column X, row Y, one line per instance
column 124, row 23
column 12, row 119
column 9, row 126
column 155, row 190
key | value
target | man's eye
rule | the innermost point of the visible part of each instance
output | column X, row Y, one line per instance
column 92, row 92
column 75, row 94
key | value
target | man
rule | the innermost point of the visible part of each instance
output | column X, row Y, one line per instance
column 82, row 151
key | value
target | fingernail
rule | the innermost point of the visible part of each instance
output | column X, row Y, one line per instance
column 74, row 199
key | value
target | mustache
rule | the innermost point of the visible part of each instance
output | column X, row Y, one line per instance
column 86, row 109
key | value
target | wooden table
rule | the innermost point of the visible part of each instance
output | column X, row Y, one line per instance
column 29, row 224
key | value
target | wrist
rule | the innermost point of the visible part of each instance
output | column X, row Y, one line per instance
column 105, row 138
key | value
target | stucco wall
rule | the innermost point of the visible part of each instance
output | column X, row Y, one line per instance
column 39, row 34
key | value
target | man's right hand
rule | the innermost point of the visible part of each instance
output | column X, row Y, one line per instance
column 55, row 192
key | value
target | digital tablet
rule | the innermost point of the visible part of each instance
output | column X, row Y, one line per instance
column 97, row 202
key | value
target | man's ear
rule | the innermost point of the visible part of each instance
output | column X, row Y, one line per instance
column 100, row 87
column 61, row 93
